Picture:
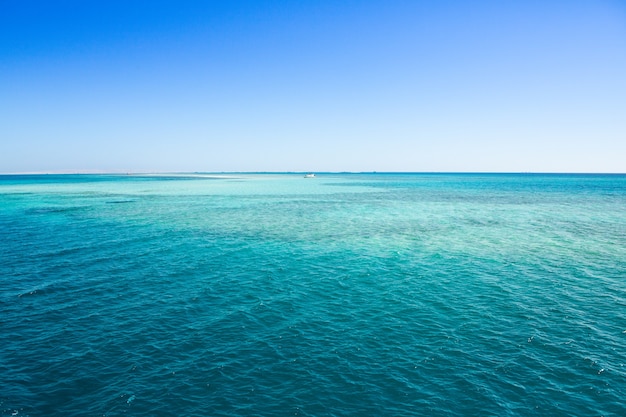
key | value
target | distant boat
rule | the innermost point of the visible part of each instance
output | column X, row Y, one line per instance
column 309, row 176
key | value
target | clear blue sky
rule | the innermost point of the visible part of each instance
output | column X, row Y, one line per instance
column 325, row 85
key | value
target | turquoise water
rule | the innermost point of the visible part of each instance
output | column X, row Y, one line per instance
column 343, row 295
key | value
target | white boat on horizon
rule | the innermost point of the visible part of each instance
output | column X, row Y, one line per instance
column 311, row 175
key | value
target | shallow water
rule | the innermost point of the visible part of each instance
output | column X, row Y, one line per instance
column 343, row 295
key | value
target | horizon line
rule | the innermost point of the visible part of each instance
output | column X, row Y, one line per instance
column 157, row 173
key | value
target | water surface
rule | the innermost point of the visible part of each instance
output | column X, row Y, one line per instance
column 342, row 295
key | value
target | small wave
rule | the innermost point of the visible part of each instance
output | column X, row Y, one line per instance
column 52, row 210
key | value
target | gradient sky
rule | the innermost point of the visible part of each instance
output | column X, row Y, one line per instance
column 325, row 85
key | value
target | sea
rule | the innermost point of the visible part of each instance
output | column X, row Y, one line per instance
column 374, row 294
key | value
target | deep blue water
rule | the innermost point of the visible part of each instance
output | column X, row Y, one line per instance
column 343, row 295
